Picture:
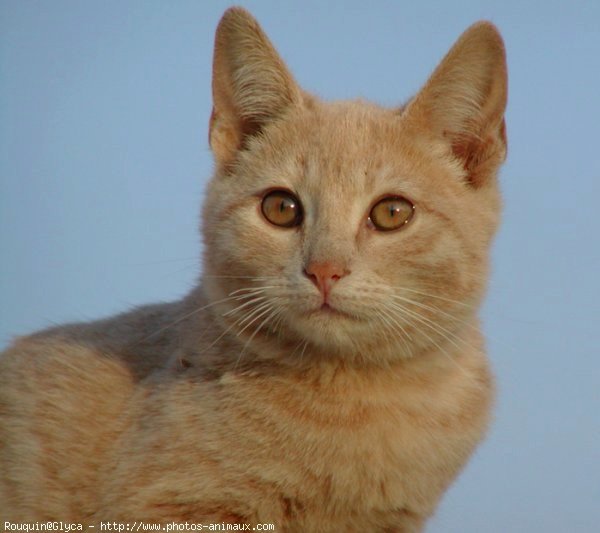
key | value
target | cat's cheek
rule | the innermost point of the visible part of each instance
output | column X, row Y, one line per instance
column 247, row 245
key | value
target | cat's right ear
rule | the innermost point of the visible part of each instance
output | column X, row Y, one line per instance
column 251, row 85
column 463, row 102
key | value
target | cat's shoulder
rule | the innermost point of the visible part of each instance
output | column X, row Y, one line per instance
column 132, row 344
column 53, row 367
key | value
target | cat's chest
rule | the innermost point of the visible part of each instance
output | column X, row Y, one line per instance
column 362, row 456
column 362, row 453
column 369, row 447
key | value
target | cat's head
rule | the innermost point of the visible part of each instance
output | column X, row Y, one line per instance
column 350, row 228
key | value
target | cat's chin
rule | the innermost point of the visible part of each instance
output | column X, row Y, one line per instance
column 332, row 329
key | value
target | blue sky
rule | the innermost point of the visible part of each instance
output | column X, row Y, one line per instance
column 104, row 109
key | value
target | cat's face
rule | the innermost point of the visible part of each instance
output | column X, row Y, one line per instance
column 347, row 227
column 408, row 286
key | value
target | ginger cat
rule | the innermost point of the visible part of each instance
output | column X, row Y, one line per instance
column 328, row 373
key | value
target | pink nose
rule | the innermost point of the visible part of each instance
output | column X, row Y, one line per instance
column 324, row 275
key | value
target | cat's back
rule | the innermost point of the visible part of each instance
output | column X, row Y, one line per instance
column 63, row 396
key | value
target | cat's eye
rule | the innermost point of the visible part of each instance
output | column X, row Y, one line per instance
column 282, row 208
column 391, row 213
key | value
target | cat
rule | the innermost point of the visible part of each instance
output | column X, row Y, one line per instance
column 328, row 372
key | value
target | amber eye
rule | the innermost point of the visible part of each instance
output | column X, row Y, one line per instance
column 391, row 213
column 282, row 208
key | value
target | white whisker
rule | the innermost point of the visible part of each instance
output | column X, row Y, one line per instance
column 250, row 316
column 297, row 347
column 429, row 295
column 253, row 316
column 272, row 313
column 440, row 330
column 186, row 316
column 251, row 290
column 303, row 350
column 437, row 345
column 395, row 328
column 435, row 310
column 243, row 305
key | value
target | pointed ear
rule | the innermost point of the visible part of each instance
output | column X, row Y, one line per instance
column 463, row 102
column 251, row 85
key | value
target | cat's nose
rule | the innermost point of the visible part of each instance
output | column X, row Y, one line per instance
column 324, row 275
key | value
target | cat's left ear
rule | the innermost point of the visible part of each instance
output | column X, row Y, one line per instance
column 464, row 100
column 251, row 85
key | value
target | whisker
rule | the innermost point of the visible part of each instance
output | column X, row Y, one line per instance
column 245, row 304
column 229, row 328
column 233, row 296
column 253, row 315
column 251, row 289
column 439, row 311
column 440, row 348
column 303, row 350
column 250, row 316
column 384, row 323
column 399, row 325
column 429, row 295
column 184, row 317
column 297, row 347
column 447, row 334
column 278, row 323
column 270, row 316
column 435, row 310
column 223, row 333
column 396, row 327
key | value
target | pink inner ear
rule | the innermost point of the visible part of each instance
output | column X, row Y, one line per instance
column 480, row 155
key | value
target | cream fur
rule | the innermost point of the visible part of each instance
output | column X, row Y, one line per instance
column 245, row 402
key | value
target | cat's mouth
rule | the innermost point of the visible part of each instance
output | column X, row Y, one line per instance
column 327, row 310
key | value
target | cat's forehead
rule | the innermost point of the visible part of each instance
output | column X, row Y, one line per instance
column 345, row 145
column 350, row 130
